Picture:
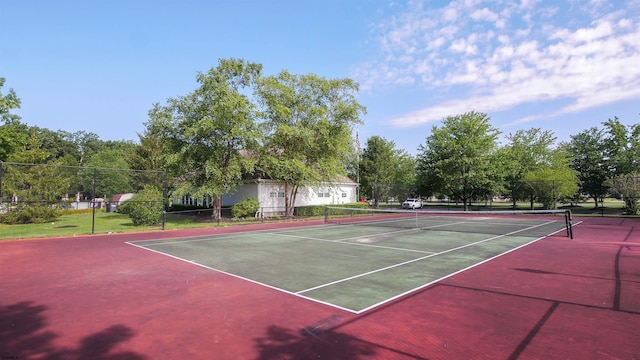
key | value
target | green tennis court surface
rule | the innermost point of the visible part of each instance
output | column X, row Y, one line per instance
column 354, row 268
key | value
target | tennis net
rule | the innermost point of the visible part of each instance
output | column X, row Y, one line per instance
column 531, row 223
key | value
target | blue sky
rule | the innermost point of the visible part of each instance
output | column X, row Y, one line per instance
column 562, row 66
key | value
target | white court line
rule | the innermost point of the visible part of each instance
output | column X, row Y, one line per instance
column 419, row 259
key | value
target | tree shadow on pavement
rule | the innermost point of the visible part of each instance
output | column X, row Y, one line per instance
column 320, row 341
column 23, row 335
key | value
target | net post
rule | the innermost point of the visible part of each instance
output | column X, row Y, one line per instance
column 326, row 214
column 568, row 221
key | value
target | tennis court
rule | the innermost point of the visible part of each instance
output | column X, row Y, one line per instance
column 362, row 260
column 334, row 290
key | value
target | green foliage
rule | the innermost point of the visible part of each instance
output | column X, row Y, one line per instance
column 308, row 122
column 622, row 147
column 628, row 186
column 36, row 191
column 111, row 175
column 318, row 210
column 13, row 134
column 588, row 152
column 144, row 208
column 245, row 208
column 377, row 168
column 24, row 213
column 8, row 102
column 528, row 151
column 457, row 158
column 209, row 132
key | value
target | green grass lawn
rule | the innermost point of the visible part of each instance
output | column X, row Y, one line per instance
column 80, row 223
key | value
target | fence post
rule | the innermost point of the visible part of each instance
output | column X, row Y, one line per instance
column 1, row 194
column 93, row 202
column 164, row 198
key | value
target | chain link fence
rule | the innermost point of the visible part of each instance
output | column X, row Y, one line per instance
column 44, row 193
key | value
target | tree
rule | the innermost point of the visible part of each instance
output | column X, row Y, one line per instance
column 13, row 134
column 622, row 147
column 554, row 180
column 622, row 159
column 56, row 144
column 149, row 155
column 587, row 151
column 37, row 189
column 527, row 152
column 628, row 186
column 404, row 176
column 211, row 132
column 8, row 102
column 111, row 174
column 377, row 168
column 308, row 122
column 456, row 159
column 86, row 143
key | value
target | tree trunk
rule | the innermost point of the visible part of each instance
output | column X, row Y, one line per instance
column 217, row 208
column 531, row 202
column 286, row 198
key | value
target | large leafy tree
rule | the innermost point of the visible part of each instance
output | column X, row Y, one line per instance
column 553, row 180
column 308, row 121
column 588, row 154
column 622, row 155
column 457, row 158
column 211, row 132
column 527, row 151
column 405, row 175
column 377, row 168
column 622, row 147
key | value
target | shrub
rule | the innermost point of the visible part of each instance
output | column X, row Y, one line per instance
column 125, row 207
column 245, row 208
column 318, row 210
column 144, row 208
column 29, row 214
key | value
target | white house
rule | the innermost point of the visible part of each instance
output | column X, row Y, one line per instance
column 270, row 194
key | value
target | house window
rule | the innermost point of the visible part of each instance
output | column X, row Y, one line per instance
column 276, row 194
column 344, row 194
column 327, row 195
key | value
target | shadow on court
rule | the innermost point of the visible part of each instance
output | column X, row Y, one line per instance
column 24, row 335
column 310, row 343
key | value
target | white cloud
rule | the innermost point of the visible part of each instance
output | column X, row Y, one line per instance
column 536, row 54
column 484, row 14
